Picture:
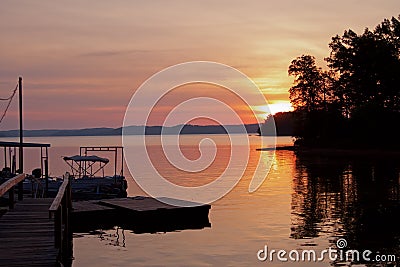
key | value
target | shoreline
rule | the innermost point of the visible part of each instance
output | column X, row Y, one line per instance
column 336, row 151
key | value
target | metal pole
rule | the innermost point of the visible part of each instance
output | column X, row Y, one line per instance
column 14, row 163
column 21, row 141
column 5, row 157
column 115, row 163
column 41, row 163
column 10, row 157
column 46, row 176
column 122, row 161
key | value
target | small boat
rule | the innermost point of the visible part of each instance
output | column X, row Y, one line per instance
column 89, row 180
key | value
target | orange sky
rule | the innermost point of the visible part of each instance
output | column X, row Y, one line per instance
column 82, row 60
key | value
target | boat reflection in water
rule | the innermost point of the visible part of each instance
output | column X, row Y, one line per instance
column 354, row 198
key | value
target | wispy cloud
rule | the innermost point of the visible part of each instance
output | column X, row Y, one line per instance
column 111, row 53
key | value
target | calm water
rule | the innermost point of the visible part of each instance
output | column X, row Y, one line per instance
column 305, row 203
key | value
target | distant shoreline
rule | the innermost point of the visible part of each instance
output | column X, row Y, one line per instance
column 347, row 152
column 339, row 152
column 136, row 130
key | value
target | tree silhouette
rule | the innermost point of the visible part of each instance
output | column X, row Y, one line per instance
column 356, row 101
column 306, row 94
column 368, row 67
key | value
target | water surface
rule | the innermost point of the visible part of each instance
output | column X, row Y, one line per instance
column 306, row 202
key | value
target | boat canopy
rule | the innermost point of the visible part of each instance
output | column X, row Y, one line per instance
column 92, row 158
column 84, row 165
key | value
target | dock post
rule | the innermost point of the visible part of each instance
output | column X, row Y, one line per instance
column 66, row 235
column 11, row 198
column 21, row 141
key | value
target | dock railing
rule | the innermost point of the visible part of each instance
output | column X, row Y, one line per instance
column 9, row 186
column 61, row 209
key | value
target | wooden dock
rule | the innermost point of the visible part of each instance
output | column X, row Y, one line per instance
column 139, row 214
column 27, row 235
column 35, row 231
column 38, row 231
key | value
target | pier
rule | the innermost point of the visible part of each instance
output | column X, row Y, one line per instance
column 35, row 231
column 27, row 235
column 38, row 231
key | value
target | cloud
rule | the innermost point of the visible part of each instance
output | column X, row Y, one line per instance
column 110, row 53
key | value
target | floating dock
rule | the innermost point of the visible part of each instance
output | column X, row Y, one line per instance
column 139, row 214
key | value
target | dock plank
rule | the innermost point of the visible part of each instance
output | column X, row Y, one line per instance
column 27, row 235
column 88, row 206
column 137, row 204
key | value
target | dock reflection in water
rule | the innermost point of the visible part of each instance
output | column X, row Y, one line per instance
column 114, row 236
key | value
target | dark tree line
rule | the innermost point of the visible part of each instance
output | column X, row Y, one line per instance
column 281, row 125
column 356, row 100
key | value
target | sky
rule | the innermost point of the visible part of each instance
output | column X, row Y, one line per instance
column 81, row 61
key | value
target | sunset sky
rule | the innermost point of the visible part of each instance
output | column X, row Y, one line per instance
column 82, row 60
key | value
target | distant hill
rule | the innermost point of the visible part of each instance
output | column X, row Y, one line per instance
column 78, row 132
column 135, row 130
column 283, row 121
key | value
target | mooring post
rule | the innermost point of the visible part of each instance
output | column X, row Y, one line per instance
column 11, row 198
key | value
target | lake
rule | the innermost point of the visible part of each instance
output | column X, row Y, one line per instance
column 305, row 203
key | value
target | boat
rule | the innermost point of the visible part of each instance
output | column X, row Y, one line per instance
column 87, row 183
column 87, row 174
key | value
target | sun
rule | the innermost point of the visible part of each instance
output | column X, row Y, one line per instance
column 280, row 107
column 273, row 108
